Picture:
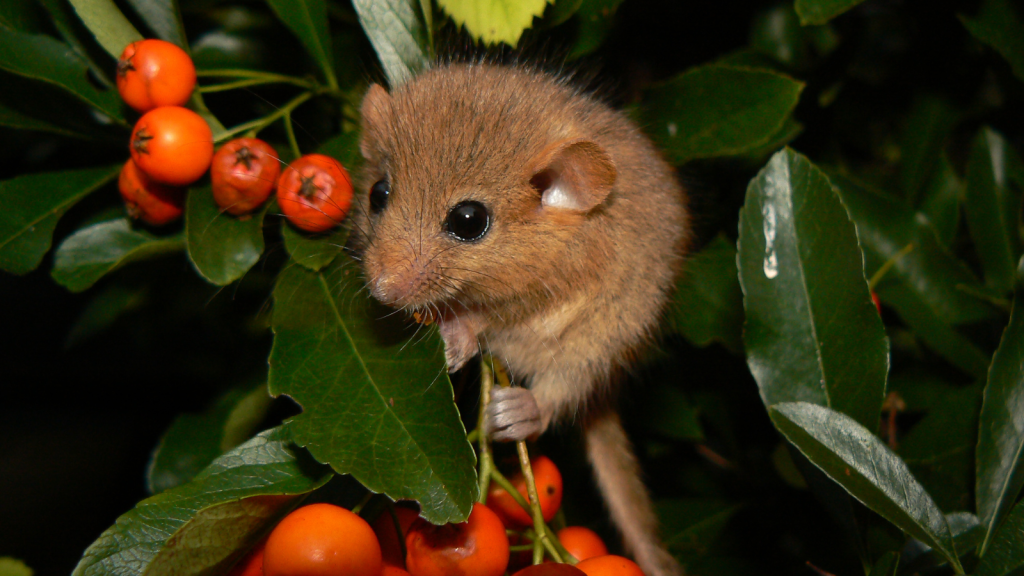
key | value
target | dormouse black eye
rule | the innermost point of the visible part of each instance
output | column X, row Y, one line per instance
column 379, row 194
column 468, row 221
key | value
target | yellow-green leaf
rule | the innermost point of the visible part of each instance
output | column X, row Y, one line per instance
column 494, row 21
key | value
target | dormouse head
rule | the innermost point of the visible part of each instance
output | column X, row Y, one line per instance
column 478, row 187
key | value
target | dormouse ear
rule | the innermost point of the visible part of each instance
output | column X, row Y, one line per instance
column 573, row 175
column 374, row 110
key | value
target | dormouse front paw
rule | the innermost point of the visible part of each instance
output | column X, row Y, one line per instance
column 460, row 344
column 512, row 415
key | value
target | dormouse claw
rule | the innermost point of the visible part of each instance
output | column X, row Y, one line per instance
column 512, row 415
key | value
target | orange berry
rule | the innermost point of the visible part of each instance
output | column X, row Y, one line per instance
column 549, row 493
column 582, row 543
column 476, row 547
column 322, row 540
column 609, row 565
column 153, row 73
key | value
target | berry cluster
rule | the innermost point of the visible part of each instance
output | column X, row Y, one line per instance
column 324, row 540
column 172, row 147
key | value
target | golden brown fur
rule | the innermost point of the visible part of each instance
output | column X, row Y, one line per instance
column 588, row 229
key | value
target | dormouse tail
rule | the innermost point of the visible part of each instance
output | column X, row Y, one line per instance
column 618, row 476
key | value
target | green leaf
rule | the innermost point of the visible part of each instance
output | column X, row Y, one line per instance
column 941, row 201
column 857, row 460
column 13, row 567
column 1005, row 553
column 690, row 526
column 396, row 30
column 886, row 565
column 932, row 330
column 92, row 252
column 708, row 305
column 999, row 26
column 14, row 119
column 72, row 30
column 778, row 33
column 494, row 21
column 195, row 440
column 993, row 207
column 20, row 15
column 107, row 23
column 32, row 206
column 162, row 17
column 222, row 247
column 200, row 527
column 313, row 251
column 307, row 19
column 929, row 123
column 966, row 530
column 49, row 60
column 103, row 310
column 1001, row 432
column 717, row 110
column 821, row 11
column 595, row 19
column 377, row 402
column 886, row 227
column 940, row 448
column 812, row 333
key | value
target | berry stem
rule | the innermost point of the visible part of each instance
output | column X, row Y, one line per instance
column 260, row 123
column 255, row 76
column 390, row 507
column 289, row 129
column 486, row 471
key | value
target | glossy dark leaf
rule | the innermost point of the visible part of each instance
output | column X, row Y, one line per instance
column 107, row 23
column 940, row 201
column 49, row 60
column 717, row 110
column 1005, row 552
column 307, row 19
column 856, row 459
column 940, row 448
column 313, row 251
column 222, row 247
column 708, row 305
column 935, row 333
column 396, row 30
column 201, row 527
column 32, row 206
column 92, row 252
column 377, row 403
column 690, row 526
column 812, row 333
column 1001, row 432
column 75, row 34
column 928, row 125
column 885, row 228
column 966, row 530
column 999, row 26
column 886, row 565
column 992, row 207
column 195, row 440
column 821, row 11
column 163, row 18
